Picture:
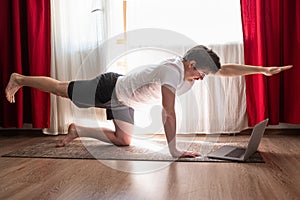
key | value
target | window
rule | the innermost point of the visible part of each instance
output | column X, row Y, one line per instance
column 206, row 22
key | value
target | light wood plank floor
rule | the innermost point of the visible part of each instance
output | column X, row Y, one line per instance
column 278, row 178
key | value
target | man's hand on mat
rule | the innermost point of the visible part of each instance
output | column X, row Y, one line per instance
column 184, row 154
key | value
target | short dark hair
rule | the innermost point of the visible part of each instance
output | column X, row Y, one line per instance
column 204, row 57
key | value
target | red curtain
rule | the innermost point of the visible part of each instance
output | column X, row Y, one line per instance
column 25, row 48
column 272, row 38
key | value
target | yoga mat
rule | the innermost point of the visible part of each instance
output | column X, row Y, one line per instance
column 140, row 150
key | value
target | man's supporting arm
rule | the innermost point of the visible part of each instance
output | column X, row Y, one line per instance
column 169, row 120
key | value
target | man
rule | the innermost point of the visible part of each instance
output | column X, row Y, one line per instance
column 120, row 94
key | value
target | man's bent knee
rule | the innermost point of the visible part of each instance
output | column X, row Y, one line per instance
column 123, row 141
column 123, row 133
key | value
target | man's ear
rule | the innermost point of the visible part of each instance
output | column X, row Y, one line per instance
column 192, row 63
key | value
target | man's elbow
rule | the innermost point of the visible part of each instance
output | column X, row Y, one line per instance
column 168, row 115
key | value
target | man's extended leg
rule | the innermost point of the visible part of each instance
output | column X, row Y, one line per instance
column 43, row 83
column 120, row 137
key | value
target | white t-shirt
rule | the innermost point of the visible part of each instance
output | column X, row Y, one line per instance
column 143, row 84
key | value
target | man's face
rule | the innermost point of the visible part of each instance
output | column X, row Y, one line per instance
column 200, row 73
column 193, row 73
column 196, row 74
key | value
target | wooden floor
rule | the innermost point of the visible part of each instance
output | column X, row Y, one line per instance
column 278, row 178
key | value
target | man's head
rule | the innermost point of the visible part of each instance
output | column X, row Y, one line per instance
column 205, row 58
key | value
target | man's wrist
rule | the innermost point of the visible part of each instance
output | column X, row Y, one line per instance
column 174, row 152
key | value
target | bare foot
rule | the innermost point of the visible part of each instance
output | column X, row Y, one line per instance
column 12, row 87
column 72, row 134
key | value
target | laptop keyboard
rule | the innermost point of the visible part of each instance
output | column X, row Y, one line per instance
column 236, row 153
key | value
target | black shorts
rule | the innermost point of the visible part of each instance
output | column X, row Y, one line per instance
column 100, row 92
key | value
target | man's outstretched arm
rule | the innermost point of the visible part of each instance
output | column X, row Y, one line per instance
column 169, row 120
column 242, row 70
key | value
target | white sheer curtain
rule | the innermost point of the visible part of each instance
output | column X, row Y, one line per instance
column 76, row 30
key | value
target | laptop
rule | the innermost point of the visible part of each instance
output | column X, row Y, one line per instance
column 238, row 153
